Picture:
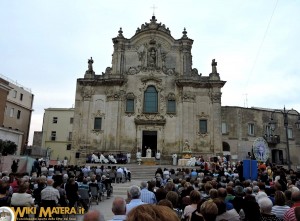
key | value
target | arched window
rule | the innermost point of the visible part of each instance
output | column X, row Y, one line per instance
column 150, row 100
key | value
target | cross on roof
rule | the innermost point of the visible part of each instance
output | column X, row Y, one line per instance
column 153, row 7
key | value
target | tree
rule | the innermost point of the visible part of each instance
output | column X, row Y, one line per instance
column 7, row 147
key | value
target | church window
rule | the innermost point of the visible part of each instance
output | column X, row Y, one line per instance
column 203, row 126
column 251, row 129
column 171, row 108
column 97, row 123
column 129, row 105
column 151, row 100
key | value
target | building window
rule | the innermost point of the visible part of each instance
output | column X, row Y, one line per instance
column 54, row 120
column 97, row 123
column 268, row 130
column 14, row 93
column 11, row 113
column 69, row 146
column 21, row 97
column 129, row 105
column 53, row 135
column 298, row 126
column 203, row 126
column 18, row 114
column 150, row 100
column 290, row 133
column 224, row 128
column 171, row 106
column 71, row 120
column 251, row 129
column 70, row 136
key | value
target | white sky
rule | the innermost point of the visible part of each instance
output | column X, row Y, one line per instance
column 45, row 45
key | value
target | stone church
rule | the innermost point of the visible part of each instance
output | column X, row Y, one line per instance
column 151, row 97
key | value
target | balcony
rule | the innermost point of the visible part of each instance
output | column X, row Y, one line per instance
column 272, row 139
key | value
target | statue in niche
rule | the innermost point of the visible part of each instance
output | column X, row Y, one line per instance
column 186, row 147
column 152, row 57
column 214, row 66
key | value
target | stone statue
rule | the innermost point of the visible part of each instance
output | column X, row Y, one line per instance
column 148, row 152
column 90, row 66
column 214, row 66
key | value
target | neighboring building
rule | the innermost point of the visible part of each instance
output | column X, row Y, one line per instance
column 17, row 113
column 4, row 90
column 150, row 97
column 241, row 126
column 57, row 133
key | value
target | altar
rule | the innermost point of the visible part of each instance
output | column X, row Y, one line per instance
column 183, row 162
column 148, row 161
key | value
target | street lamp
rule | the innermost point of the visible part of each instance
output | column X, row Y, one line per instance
column 273, row 123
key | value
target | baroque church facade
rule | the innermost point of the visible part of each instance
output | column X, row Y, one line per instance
column 151, row 97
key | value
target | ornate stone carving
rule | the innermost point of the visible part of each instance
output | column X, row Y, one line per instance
column 113, row 95
column 87, row 92
column 97, row 132
column 150, row 119
column 216, row 97
column 108, row 70
column 98, row 114
column 202, row 116
column 133, row 70
column 153, row 25
column 188, row 97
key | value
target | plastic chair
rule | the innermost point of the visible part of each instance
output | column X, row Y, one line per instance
column 95, row 194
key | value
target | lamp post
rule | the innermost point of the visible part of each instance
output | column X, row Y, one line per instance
column 273, row 123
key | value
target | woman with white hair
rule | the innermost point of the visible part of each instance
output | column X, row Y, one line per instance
column 266, row 205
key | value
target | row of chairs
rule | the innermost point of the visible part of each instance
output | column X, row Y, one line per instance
column 95, row 195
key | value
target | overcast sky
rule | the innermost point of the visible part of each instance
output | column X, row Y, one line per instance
column 45, row 45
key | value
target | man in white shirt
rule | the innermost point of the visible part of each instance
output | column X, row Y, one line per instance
column 135, row 194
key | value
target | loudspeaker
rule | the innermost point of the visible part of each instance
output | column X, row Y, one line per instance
column 77, row 155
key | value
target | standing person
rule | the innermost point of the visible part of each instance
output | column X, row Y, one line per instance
column 146, row 195
column 71, row 188
column 135, row 196
column 14, row 166
column 119, row 209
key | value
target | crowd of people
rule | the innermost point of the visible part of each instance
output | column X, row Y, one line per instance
column 215, row 191
column 212, row 194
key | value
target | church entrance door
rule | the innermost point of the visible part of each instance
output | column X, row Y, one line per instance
column 149, row 141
